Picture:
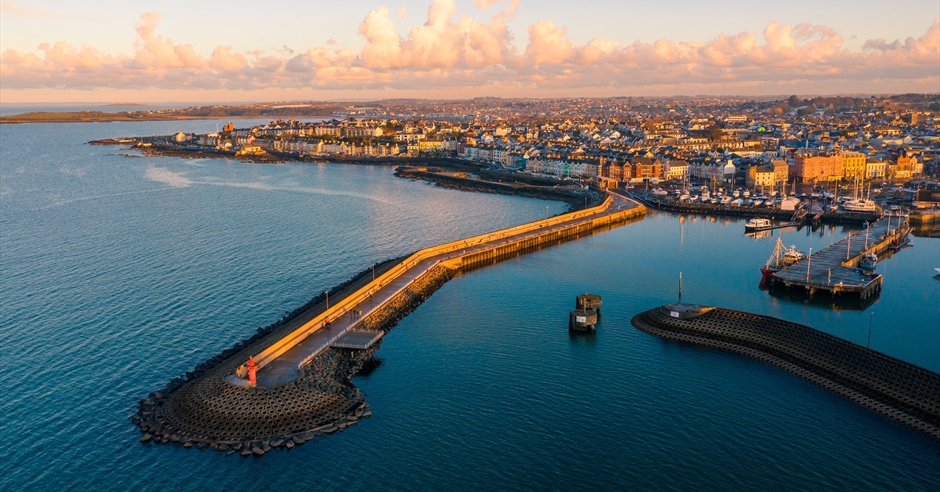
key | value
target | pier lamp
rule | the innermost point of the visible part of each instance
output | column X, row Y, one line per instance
column 327, row 299
column 809, row 259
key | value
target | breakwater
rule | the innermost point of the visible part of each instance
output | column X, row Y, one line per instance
column 208, row 412
column 574, row 197
column 207, row 409
column 903, row 392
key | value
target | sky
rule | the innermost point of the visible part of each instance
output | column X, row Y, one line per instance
column 250, row 51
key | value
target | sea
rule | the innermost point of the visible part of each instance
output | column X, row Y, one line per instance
column 120, row 273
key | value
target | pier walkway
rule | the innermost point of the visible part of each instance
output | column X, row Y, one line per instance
column 835, row 268
column 281, row 362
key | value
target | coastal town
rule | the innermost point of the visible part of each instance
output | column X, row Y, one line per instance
column 768, row 143
column 696, row 152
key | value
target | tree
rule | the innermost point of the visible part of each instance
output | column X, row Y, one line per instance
column 715, row 133
column 793, row 101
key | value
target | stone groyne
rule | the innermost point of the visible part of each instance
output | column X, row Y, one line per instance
column 205, row 411
column 901, row 391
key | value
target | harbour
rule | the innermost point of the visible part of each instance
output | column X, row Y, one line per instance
column 448, row 371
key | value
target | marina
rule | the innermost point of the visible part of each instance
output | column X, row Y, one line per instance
column 835, row 269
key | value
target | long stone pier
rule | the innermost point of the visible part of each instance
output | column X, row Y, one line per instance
column 901, row 391
column 303, row 378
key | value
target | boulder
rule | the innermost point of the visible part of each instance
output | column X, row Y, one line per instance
column 257, row 451
column 145, row 438
column 246, row 452
column 289, row 445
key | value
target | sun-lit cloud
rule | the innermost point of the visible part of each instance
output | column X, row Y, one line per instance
column 452, row 51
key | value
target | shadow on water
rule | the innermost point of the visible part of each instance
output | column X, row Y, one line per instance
column 370, row 366
column 836, row 303
column 584, row 337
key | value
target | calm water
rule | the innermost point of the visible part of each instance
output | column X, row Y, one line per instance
column 119, row 274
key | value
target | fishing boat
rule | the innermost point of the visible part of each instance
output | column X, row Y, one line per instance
column 755, row 224
column 868, row 262
column 780, row 258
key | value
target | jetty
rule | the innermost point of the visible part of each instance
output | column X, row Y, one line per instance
column 901, row 391
column 834, row 270
column 298, row 385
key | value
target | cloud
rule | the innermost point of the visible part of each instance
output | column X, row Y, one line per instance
column 403, row 11
column 451, row 52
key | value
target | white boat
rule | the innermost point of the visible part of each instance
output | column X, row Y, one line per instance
column 860, row 205
column 660, row 192
column 684, row 197
column 736, row 193
column 725, row 200
column 736, row 203
column 758, row 202
column 937, row 270
column 754, row 224
column 747, row 194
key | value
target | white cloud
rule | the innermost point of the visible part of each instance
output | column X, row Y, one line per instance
column 451, row 52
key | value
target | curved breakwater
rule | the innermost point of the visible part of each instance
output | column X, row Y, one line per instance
column 901, row 391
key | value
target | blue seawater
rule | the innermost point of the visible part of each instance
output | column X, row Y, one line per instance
column 117, row 274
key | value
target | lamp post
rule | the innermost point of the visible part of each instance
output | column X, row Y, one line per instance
column 327, row 299
column 373, row 272
column 809, row 259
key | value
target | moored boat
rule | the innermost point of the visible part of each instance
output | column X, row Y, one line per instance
column 780, row 258
column 868, row 262
column 755, row 224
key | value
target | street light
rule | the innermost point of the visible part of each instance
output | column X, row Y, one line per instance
column 327, row 299
column 809, row 259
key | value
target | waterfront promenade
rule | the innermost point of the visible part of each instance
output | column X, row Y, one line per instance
column 281, row 362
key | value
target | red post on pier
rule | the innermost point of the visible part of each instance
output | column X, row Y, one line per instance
column 252, row 371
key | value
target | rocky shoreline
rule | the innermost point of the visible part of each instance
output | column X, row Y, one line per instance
column 204, row 411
